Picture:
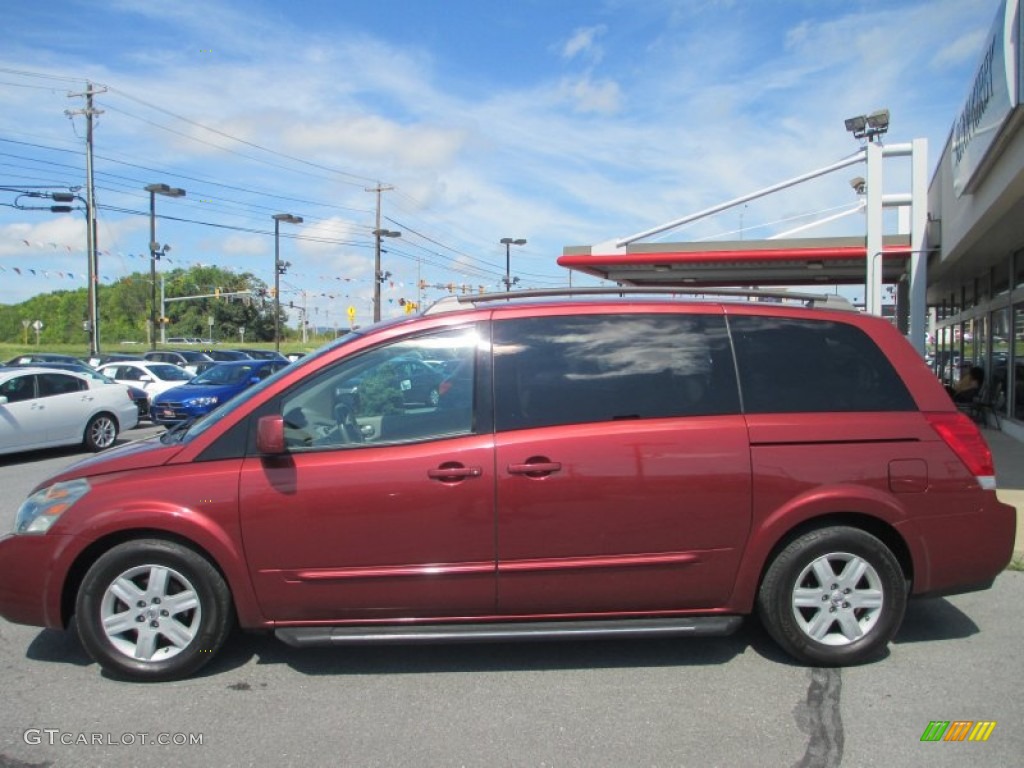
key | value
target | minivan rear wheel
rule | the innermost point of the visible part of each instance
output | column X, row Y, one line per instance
column 833, row 597
column 152, row 610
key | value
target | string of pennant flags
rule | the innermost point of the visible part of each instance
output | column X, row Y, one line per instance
column 25, row 271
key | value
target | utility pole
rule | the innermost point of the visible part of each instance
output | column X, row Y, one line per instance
column 377, row 232
column 90, row 214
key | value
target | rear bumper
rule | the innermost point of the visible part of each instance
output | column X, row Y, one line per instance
column 961, row 552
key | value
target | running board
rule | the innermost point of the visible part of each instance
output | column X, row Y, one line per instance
column 405, row 634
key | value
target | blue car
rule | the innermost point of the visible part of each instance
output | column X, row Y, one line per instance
column 209, row 389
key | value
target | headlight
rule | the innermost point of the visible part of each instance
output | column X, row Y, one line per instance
column 201, row 401
column 41, row 510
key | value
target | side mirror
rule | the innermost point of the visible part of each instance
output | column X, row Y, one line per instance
column 145, row 377
column 3, row 399
column 270, row 435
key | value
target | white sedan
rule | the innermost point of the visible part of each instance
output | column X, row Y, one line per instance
column 43, row 408
column 154, row 378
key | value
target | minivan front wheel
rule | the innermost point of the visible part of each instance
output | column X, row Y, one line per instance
column 833, row 597
column 152, row 610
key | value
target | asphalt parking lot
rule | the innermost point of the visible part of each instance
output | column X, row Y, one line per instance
column 730, row 701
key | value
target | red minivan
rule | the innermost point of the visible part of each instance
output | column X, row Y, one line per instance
column 592, row 467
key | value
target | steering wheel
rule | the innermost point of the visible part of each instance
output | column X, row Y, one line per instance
column 310, row 430
column 345, row 417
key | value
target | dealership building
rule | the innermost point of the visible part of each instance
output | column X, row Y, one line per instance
column 956, row 262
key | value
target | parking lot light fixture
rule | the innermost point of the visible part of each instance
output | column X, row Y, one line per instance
column 155, row 251
column 280, row 268
column 508, row 243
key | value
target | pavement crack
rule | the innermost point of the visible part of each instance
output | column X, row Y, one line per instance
column 819, row 717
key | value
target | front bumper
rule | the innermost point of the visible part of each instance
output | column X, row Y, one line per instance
column 168, row 415
column 32, row 571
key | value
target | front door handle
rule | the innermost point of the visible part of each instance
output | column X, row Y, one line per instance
column 535, row 467
column 453, row 472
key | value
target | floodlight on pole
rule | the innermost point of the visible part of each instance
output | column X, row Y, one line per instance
column 378, row 276
column 280, row 268
column 508, row 242
column 870, row 126
column 155, row 251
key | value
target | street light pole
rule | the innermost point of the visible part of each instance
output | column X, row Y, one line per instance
column 509, row 242
column 378, row 276
column 280, row 267
column 155, row 251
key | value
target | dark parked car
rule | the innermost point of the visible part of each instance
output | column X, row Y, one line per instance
column 114, row 357
column 264, row 354
column 226, row 355
column 43, row 357
column 405, row 380
column 650, row 467
column 192, row 361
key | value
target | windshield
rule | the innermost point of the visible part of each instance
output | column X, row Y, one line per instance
column 169, row 372
column 225, row 374
column 97, row 376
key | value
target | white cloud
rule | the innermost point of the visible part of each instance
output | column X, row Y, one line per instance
column 584, row 43
column 963, row 50
column 589, row 97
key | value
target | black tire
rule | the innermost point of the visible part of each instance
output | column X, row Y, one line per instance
column 848, row 620
column 100, row 432
column 169, row 628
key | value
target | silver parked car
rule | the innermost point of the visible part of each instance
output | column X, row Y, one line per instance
column 43, row 408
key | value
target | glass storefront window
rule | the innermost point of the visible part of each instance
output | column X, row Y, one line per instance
column 1001, row 279
column 1015, row 385
column 967, row 343
column 981, row 344
column 947, row 365
column 998, row 381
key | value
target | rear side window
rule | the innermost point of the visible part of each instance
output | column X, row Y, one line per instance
column 58, row 384
column 592, row 368
column 791, row 366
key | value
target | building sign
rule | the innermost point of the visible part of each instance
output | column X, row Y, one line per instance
column 992, row 97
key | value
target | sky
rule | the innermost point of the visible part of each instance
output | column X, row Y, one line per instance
column 561, row 122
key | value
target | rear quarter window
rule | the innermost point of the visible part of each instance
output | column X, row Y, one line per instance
column 794, row 365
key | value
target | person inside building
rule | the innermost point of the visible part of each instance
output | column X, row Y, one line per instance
column 969, row 386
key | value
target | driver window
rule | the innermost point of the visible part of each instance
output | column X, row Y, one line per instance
column 412, row 390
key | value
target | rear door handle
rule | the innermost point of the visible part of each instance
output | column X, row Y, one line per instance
column 535, row 468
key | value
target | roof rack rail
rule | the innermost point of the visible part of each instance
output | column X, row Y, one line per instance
column 823, row 300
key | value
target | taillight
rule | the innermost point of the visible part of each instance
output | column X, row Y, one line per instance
column 443, row 387
column 964, row 438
